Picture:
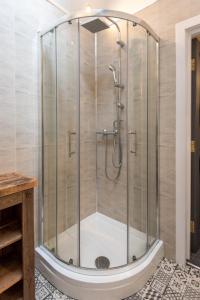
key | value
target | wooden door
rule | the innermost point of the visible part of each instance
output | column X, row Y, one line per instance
column 195, row 151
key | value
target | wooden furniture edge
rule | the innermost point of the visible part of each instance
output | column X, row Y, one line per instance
column 20, row 183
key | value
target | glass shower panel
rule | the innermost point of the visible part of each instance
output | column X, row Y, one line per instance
column 67, row 37
column 48, row 54
column 137, row 141
column 152, row 139
column 87, row 147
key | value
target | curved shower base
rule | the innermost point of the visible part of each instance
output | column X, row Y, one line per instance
column 114, row 284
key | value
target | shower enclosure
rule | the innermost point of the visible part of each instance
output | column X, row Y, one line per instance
column 99, row 140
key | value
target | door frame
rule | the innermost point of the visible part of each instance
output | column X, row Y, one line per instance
column 185, row 31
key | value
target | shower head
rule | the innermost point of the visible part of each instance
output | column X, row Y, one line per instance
column 95, row 25
column 113, row 70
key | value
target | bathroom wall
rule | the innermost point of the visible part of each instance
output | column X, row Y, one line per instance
column 19, row 140
column 162, row 17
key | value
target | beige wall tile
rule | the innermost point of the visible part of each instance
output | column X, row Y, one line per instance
column 162, row 17
column 19, row 24
column 8, row 160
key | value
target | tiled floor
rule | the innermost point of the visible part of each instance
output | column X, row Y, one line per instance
column 170, row 282
column 44, row 290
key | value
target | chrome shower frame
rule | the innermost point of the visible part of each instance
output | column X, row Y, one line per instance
column 108, row 14
column 102, row 13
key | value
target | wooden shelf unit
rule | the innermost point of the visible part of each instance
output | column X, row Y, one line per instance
column 16, row 237
column 13, row 293
column 10, row 273
column 9, row 234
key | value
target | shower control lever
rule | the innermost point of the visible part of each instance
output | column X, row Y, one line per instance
column 133, row 133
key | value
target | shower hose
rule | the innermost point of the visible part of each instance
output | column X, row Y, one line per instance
column 116, row 166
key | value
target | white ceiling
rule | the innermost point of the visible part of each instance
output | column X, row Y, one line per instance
column 129, row 6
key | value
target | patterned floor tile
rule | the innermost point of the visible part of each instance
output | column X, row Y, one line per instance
column 190, row 293
column 38, row 285
column 134, row 297
column 50, row 297
column 185, row 269
column 168, row 266
column 177, row 286
column 42, row 293
column 170, row 282
column 50, row 287
column 171, row 294
column 195, row 272
column 194, row 283
column 162, row 276
column 158, row 286
column 151, row 294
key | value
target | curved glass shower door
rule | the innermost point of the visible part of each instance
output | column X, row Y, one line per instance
column 67, row 41
column 100, row 78
column 137, row 141
column 49, row 136
column 60, row 52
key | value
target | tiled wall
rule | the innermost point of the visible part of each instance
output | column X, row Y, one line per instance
column 61, row 117
column 19, row 23
column 162, row 17
column 111, row 194
column 139, row 115
column 87, row 124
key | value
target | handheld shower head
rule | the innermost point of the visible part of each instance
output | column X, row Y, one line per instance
column 113, row 70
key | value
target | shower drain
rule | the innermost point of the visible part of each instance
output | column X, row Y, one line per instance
column 102, row 262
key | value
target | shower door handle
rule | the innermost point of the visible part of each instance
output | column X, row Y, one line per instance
column 70, row 134
column 133, row 133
